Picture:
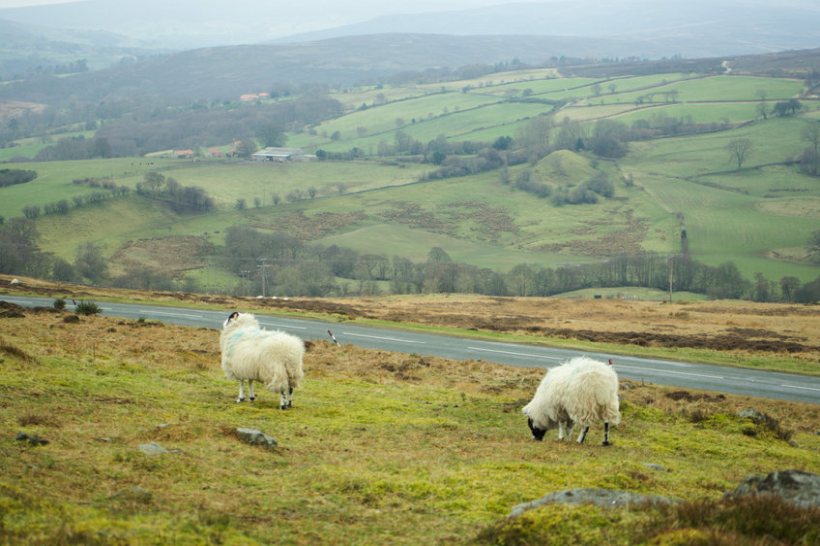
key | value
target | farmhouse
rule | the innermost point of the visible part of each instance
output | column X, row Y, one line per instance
column 282, row 154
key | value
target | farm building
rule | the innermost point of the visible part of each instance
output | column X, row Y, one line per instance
column 282, row 154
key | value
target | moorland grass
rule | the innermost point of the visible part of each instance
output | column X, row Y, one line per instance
column 379, row 448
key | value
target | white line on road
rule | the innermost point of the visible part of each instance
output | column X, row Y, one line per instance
column 384, row 338
column 662, row 372
column 275, row 325
column 515, row 354
column 170, row 314
column 799, row 387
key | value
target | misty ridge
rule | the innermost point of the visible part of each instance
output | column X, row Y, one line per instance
column 103, row 29
column 205, row 50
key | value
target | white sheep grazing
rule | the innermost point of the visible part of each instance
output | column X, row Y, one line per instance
column 254, row 354
column 580, row 391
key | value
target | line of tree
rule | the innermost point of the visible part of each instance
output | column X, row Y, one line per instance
column 12, row 177
column 289, row 267
column 294, row 268
column 181, row 199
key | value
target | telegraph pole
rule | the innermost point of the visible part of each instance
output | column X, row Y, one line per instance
column 264, row 268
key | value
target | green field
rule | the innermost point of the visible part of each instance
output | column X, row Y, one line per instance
column 715, row 88
column 759, row 217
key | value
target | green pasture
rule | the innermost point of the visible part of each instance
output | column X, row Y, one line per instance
column 492, row 80
column 727, row 226
column 229, row 181
column 54, row 179
column 390, row 116
column 698, row 113
column 28, row 148
column 632, row 83
column 224, row 180
column 594, row 113
column 774, row 141
column 537, row 88
column 456, row 125
column 716, row 88
column 353, row 98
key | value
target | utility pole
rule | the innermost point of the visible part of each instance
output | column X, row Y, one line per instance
column 245, row 275
column 264, row 270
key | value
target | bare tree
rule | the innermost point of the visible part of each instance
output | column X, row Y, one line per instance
column 739, row 150
column 811, row 134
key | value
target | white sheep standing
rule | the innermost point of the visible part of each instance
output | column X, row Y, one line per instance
column 254, row 354
column 580, row 391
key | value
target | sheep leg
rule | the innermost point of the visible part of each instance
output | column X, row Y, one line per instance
column 561, row 431
column 241, row 391
column 290, row 397
column 583, row 435
column 283, row 400
column 251, row 396
column 606, row 434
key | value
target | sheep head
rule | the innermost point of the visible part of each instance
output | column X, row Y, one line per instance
column 537, row 433
column 239, row 319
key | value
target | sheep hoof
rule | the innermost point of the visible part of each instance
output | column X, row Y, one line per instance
column 238, row 400
column 252, row 398
column 606, row 443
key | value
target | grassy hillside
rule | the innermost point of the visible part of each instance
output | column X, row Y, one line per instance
column 759, row 216
column 379, row 448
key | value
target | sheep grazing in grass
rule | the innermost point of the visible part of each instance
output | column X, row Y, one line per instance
column 580, row 391
column 250, row 353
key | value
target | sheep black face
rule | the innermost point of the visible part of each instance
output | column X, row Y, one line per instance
column 232, row 316
column 537, row 433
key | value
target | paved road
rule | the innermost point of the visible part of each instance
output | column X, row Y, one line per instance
column 663, row 372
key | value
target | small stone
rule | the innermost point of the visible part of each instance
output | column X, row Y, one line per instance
column 154, row 448
column 32, row 439
column 135, row 494
column 256, row 437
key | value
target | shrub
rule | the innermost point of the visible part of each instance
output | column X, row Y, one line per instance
column 59, row 304
column 88, row 308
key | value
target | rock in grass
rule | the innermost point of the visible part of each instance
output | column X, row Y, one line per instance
column 133, row 494
column 794, row 486
column 33, row 439
column 256, row 438
column 605, row 498
column 154, row 448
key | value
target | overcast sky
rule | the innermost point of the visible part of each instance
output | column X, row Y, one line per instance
column 408, row 7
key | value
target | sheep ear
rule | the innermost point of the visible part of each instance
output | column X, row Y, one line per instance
column 233, row 316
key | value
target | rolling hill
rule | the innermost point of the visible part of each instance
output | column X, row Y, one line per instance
column 676, row 176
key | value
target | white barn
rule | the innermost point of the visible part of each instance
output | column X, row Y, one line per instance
column 282, row 154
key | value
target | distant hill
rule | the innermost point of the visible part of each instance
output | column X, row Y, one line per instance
column 27, row 49
column 654, row 28
column 230, row 71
